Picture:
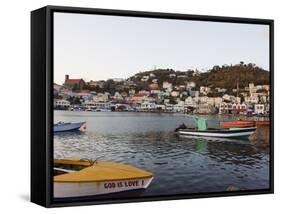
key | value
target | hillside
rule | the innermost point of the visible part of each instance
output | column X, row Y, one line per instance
column 225, row 76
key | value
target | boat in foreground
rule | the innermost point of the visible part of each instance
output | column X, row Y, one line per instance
column 82, row 178
column 203, row 131
column 65, row 127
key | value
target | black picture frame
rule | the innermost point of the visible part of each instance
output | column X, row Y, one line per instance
column 42, row 109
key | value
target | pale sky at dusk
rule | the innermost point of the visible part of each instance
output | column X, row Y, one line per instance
column 96, row 47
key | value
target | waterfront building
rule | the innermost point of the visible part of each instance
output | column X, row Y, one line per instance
column 217, row 101
column 239, row 108
column 148, row 106
column 179, row 107
column 259, row 108
column 203, row 99
column 93, row 105
column 61, row 104
column 169, row 107
column 190, row 102
column 204, row 108
column 160, row 107
column 225, row 108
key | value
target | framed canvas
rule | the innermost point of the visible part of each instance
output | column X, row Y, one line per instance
column 131, row 106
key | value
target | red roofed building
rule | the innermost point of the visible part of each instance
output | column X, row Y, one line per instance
column 138, row 98
column 74, row 83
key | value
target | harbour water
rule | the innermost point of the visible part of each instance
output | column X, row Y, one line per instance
column 180, row 164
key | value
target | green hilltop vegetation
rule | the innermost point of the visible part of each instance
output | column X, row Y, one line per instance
column 225, row 76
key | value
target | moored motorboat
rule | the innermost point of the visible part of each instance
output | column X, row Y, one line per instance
column 202, row 130
column 83, row 178
column 224, row 133
column 65, row 127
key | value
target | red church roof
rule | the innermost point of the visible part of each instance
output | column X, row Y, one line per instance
column 72, row 81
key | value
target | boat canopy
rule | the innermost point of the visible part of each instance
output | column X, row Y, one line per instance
column 200, row 122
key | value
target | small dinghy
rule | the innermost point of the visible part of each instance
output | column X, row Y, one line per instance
column 66, row 127
column 85, row 178
column 203, row 131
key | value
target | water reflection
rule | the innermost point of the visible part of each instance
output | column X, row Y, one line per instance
column 180, row 164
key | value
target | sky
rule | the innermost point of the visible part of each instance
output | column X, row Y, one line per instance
column 99, row 47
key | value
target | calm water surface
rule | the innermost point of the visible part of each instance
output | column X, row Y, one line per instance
column 180, row 164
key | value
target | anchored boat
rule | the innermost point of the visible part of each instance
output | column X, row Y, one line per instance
column 203, row 131
column 237, row 124
column 82, row 178
column 65, row 127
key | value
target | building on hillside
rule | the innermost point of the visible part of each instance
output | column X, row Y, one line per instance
column 100, row 97
column 190, row 85
column 153, row 86
column 167, row 85
column 205, row 90
column 74, row 83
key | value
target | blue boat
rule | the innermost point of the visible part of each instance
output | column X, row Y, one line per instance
column 66, row 127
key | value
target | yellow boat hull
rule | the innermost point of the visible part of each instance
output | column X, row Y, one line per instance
column 98, row 178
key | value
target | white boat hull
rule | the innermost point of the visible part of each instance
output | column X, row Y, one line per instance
column 64, row 127
column 230, row 134
column 82, row 189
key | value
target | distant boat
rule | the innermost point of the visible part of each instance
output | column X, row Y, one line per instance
column 264, row 123
column 85, row 178
column 65, row 127
column 234, row 124
column 203, row 131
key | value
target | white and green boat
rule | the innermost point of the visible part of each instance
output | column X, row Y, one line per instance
column 203, row 131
